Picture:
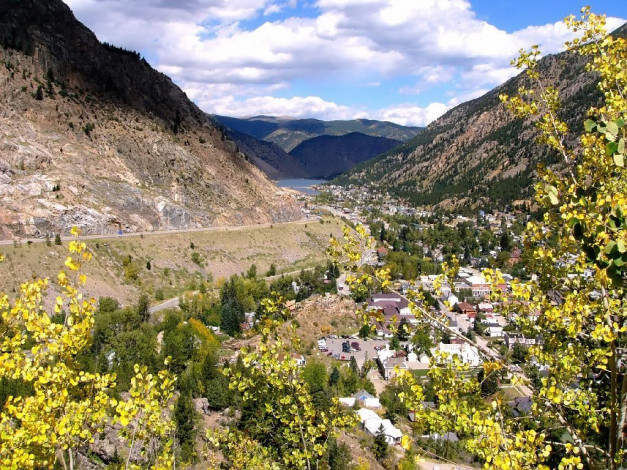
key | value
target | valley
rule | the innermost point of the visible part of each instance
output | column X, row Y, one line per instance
column 184, row 289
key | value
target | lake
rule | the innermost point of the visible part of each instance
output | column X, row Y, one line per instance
column 300, row 184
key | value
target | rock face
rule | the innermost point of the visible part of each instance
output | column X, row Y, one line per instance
column 478, row 155
column 91, row 135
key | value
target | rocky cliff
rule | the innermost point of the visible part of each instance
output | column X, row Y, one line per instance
column 91, row 135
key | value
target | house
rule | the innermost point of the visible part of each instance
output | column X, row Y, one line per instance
column 452, row 299
column 453, row 324
column 300, row 359
column 392, row 308
column 521, row 406
column 379, row 301
column 518, row 338
column 371, row 422
column 468, row 310
column 388, row 366
column 485, row 307
column 467, row 353
column 447, row 436
column 411, row 414
column 364, row 397
column 515, row 257
column 494, row 330
column 479, row 286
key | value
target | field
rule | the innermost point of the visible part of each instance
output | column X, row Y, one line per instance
column 164, row 265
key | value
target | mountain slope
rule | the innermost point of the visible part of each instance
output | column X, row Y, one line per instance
column 289, row 133
column 478, row 155
column 326, row 156
column 91, row 135
column 268, row 156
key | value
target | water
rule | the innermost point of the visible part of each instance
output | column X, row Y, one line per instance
column 301, row 184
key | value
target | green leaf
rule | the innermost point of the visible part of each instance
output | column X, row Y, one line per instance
column 619, row 160
column 620, row 262
column 610, row 247
column 551, row 192
column 621, row 146
column 589, row 125
column 612, row 128
column 611, row 148
column 620, row 244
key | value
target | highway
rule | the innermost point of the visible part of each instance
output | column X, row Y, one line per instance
column 113, row 236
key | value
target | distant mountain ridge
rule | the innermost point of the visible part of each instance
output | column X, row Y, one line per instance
column 289, row 133
column 91, row 135
column 311, row 148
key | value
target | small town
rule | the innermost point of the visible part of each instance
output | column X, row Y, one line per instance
column 313, row 235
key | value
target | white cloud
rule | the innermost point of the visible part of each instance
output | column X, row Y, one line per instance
column 411, row 115
column 204, row 46
column 296, row 107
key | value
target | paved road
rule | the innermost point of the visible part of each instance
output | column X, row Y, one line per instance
column 170, row 303
column 112, row 236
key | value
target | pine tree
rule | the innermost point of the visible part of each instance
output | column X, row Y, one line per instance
column 334, row 378
column 143, row 307
column 380, row 445
column 185, row 419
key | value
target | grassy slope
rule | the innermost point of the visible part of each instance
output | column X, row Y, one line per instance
column 222, row 253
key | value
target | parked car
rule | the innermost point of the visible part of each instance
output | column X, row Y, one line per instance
column 355, row 346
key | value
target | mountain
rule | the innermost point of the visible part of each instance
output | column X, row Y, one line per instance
column 91, row 135
column 327, row 155
column 275, row 162
column 478, row 155
column 289, row 133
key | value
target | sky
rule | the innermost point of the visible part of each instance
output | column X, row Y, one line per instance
column 404, row 61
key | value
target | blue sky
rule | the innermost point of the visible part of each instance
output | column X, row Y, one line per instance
column 406, row 61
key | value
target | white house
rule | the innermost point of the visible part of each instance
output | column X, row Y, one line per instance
column 367, row 399
column 299, row 359
column 485, row 307
column 494, row 330
column 452, row 299
column 479, row 286
column 518, row 338
column 467, row 353
column 371, row 422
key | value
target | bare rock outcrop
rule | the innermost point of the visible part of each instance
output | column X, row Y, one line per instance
column 91, row 135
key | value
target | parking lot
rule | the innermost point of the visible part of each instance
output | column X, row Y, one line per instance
column 367, row 348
